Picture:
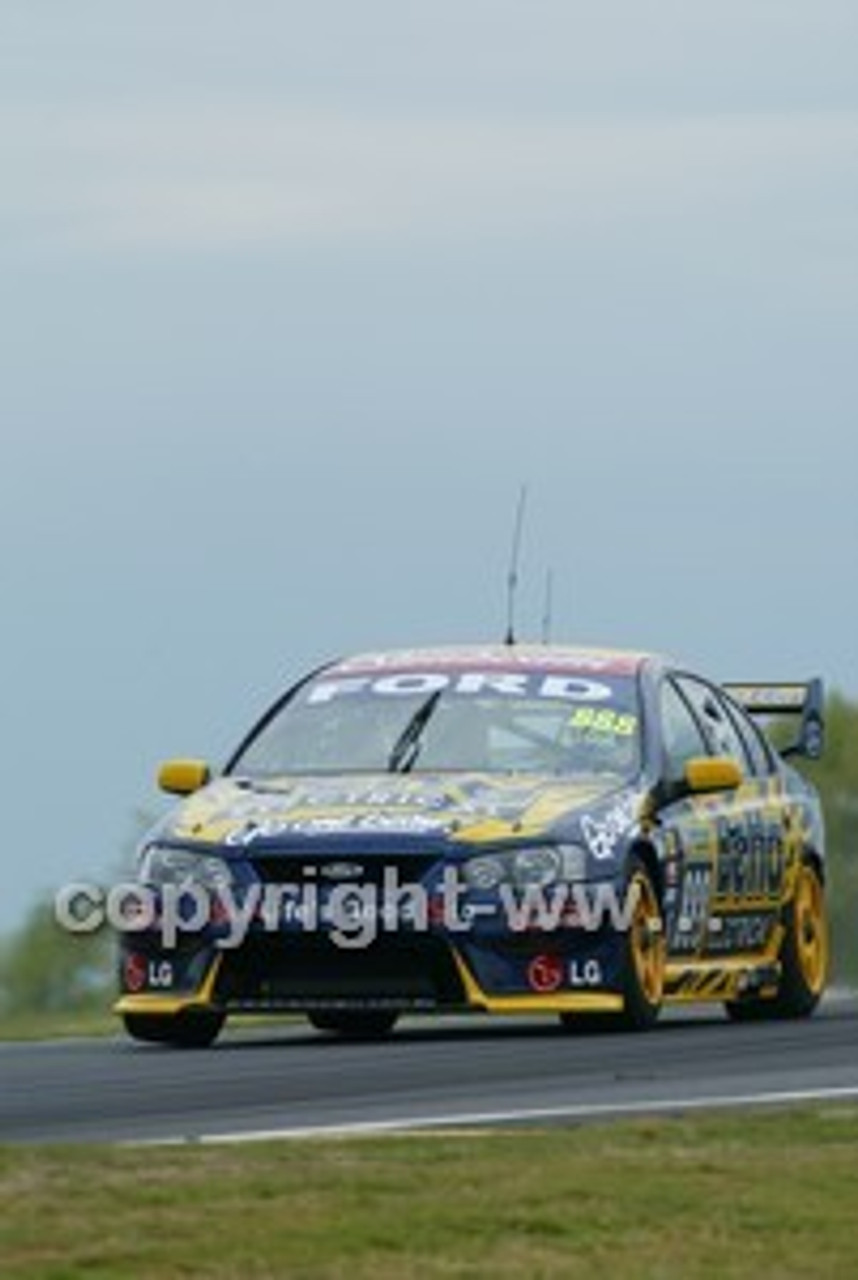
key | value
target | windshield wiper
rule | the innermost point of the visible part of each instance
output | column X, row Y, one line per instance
column 406, row 748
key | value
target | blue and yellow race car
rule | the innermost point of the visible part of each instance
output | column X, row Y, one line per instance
column 508, row 829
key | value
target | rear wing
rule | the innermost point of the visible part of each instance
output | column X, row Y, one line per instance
column 805, row 700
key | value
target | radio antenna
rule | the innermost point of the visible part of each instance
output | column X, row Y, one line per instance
column 548, row 610
column 512, row 576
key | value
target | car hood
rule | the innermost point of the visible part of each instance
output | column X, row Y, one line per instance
column 467, row 809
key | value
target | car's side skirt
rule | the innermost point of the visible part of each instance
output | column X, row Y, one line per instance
column 721, row 980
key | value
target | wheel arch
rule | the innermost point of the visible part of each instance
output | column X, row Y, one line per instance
column 644, row 850
column 813, row 858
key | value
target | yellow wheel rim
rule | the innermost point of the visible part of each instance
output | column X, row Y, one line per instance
column 648, row 943
column 811, row 930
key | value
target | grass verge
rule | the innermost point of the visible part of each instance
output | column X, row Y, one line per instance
column 704, row 1197
column 58, row 1025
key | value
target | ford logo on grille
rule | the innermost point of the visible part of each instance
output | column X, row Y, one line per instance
column 341, row 870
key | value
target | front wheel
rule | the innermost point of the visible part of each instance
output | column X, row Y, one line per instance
column 644, row 948
column 645, row 952
column 803, row 956
column 186, row 1030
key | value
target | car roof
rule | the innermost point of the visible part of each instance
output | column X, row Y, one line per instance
column 517, row 657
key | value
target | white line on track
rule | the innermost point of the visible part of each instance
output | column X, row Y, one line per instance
column 478, row 1119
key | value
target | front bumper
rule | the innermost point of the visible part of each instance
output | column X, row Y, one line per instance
column 406, row 972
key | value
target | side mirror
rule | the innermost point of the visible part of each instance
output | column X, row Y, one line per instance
column 183, row 777
column 713, row 773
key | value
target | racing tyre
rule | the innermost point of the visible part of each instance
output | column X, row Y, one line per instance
column 644, row 959
column 354, row 1024
column 803, row 956
column 182, row 1030
column 645, row 952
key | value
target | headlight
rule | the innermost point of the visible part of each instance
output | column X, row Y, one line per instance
column 573, row 860
column 536, row 866
column 485, row 873
column 161, row 866
column 539, row 865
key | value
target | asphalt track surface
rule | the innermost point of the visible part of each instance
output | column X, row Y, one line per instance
column 293, row 1081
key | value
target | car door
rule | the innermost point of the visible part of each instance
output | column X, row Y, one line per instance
column 752, row 873
column 732, row 875
column 687, row 826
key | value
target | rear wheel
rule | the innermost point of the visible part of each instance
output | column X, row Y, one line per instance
column 803, row 957
column 188, row 1030
column 354, row 1024
column 644, row 959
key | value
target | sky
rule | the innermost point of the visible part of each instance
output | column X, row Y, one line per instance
column 295, row 298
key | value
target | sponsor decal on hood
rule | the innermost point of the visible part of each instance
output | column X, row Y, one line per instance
column 472, row 808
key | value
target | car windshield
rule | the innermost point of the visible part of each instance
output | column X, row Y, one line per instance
column 438, row 721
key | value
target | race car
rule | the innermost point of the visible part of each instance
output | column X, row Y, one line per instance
column 537, row 829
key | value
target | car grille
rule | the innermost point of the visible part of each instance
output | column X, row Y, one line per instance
column 278, row 972
column 275, row 868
